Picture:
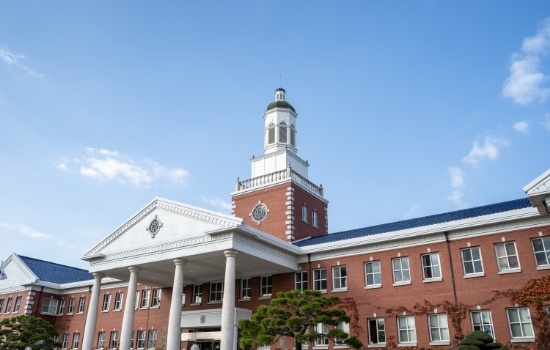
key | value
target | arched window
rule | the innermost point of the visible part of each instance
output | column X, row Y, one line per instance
column 271, row 134
column 283, row 133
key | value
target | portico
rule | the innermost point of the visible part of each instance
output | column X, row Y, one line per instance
column 171, row 245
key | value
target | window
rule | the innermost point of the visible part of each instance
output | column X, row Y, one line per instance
column 118, row 301
column 339, row 277
column 17, row 304
column 101, row 340
column 152, row 344
column 292, row 135
column 401, row 272
column 8, row 305
column 216, row 291
column 81, row 304
column 541, row 247
column 246, row 288
column 265, row 286
column 482, row 321
column 314, row 218
column 406, row 329
column 144, row 299
column 321, row 329
column 71, row 306
column 430, row 266
column 141, row 339
column 520, row 322
column 300, row 279
column 113, row 343
column 373, row 275
column 106, row 302
column 61, row 307
column 377, row 331
column 271, row 134
column 65, row 342
column 320, row 279
column 439, row 330
column 471, row 261
column 344, row 327
column 1, row 304
column 49, row 306
column 507, row 257
column 156, row 297
column 197, row 294
column 304, row 213
column 283, row 133
column 76, row 340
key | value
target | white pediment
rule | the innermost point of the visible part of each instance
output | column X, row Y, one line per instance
column 18, row 275
column 538, row 191
column 159, row 223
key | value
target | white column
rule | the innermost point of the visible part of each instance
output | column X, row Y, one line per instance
column 228, row 307
column 173, row 341
column 129, row 310
column 91, row 318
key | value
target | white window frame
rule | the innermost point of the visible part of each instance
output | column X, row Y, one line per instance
column 300, row 281
column 157, row 292
column 81, row 305
column 49, row 306
column 542, row 255
column 61, row 308
column 304, row 213
column 402, row 269
column 431, row 267
column 409, row 327
column 524, row 319
column 266, row 286
column 113, row 340
column 106, row 302
column 8, row 305
column 141, row 337
column 320, row 279
column 344, row 326
column 339, row 278
column 246, row 288
column 144, row 301
column 1, row 304
column 197, row 294
column 65, row 341
column 439, row 329
column 101, row 340
column 321, row 328
column 314, row 220
column 216, row 292
column 377, row 328
column 118, row 301
column 504, row 257
column 152, row 339
column 136, row 304
column 76, row 340
column 482, row 320
column 373, row 275
column 70, row 310
column 17, row 304
column 472, row 262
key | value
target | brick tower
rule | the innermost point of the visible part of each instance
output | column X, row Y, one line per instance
column 278, row 198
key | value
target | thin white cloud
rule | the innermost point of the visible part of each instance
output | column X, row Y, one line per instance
column 216, row 202
column 457, row 177
column 490, row 149
column 546, row 121
column 15, row 60
column 526, row 83
column 108, row 165
column 456, row 198
column 24, row 230
column 522, row 127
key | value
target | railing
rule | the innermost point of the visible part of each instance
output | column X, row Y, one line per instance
column 278, row 176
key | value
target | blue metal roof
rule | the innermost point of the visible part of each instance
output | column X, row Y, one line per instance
column 418, row 222
column 55, row 273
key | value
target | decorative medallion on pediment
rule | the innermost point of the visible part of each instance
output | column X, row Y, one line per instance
column 154, row 226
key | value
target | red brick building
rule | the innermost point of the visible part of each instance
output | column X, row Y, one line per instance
column 181, row 276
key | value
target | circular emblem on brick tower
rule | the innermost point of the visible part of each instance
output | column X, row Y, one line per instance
column 154, row 227
column 259, row 212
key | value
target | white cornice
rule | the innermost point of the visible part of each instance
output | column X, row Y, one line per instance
column 540, row 185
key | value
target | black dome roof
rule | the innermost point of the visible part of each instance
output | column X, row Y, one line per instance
column 280, row 104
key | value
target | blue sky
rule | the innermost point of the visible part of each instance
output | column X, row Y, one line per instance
column 405, row 108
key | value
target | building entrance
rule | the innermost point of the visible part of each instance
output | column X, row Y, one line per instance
column 204, row 345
